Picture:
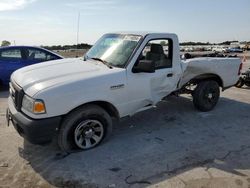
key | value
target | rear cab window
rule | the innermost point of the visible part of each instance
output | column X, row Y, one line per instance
column 159, row 51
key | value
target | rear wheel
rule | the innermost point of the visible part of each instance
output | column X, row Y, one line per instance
column 206, row 95
column 84, row 128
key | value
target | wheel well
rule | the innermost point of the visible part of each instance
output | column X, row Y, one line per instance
column 203, row 77
column 108, row 107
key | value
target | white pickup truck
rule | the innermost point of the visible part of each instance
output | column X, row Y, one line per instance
column 122, row 74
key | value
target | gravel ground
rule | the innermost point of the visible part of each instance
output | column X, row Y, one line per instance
column 170, row 146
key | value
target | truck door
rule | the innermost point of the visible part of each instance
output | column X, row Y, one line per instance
column 146, row 89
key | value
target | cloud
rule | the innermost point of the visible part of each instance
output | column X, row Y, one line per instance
column 10, row 18
column 14, row 4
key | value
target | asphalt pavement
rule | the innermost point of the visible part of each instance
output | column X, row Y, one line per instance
column 173, row 145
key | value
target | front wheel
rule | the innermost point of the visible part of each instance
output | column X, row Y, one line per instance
column 206, row 95
column 84, row 128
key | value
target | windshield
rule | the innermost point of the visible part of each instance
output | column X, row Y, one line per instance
column 114, row 49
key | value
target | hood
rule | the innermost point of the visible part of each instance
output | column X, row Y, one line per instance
column 40, row 76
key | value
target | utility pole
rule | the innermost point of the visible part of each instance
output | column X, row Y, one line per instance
column 77, row 37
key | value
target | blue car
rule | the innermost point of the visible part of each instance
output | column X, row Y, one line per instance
column 234, row 50
column 16, row 57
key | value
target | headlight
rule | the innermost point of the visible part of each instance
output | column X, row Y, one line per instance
column 33, row 106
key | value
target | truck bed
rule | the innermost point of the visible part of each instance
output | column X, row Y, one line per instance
column 226, row 68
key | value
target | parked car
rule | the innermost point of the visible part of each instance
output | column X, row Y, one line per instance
column 15, row 57
column 78, row 101
column 234, row 50
column 219, row 49
column 246, row 47
column 188, row 49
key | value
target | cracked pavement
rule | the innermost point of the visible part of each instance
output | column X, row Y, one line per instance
column 170, row 146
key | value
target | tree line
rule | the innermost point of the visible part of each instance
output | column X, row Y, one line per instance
column 206, row 43
column 87, row 46
column 57, row 47
column 68, row 47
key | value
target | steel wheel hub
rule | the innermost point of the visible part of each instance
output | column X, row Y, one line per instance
column 210, row 96
column 88, row 134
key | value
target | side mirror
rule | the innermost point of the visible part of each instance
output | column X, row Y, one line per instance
column 144, row 66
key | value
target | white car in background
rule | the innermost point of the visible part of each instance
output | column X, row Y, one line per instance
column 219, row 49
column 189, row 49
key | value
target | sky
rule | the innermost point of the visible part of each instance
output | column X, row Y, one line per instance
column 54, row 22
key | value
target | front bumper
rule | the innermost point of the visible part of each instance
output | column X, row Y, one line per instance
column 36, row 131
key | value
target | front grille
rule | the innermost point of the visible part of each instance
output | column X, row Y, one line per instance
column 16, row 94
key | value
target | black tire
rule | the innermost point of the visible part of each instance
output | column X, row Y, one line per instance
column 240, row 83
column 206, row 95
column 80, row 117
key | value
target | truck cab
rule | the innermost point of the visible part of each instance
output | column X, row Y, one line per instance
column 154, row 61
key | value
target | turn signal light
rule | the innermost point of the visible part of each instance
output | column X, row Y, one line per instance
column 39, row 107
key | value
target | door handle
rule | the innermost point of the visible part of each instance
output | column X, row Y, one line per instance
column 170, row 75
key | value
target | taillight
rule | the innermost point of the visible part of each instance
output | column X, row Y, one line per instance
column 240, row 68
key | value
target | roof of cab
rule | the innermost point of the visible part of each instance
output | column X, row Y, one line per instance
column 142, row 33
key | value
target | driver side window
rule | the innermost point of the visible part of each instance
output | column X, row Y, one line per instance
column 160, row 52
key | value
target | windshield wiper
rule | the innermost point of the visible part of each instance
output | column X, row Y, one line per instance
column 104, row 62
